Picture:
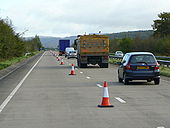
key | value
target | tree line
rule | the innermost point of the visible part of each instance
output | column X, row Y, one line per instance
column 158, row 43
column 12, row 44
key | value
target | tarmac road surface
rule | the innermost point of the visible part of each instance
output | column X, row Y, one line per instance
column 42, row 94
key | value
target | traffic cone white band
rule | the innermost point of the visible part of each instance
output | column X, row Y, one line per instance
column 72, row 68
column 105, row 92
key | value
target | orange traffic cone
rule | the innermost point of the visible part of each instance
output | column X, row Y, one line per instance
column 105, row 100
column 62, row 62
column 72, row 70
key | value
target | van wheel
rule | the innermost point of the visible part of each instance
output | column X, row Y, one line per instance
column 125, row 80
column 156, row 81
column 83, row 65
column 149, row 80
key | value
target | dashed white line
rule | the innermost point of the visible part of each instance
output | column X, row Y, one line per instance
column 6, row 101
column 81, row 72
column 120, row 100
column 88, row 77
column 160, row 127
column 99, row 85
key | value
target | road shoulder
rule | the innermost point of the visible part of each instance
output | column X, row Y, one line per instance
column 5, row 72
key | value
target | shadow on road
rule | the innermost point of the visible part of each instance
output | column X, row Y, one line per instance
column 132, row 83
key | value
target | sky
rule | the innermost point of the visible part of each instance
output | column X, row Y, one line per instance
column 61, row 18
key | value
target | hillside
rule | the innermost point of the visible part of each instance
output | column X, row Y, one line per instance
column 131, row 34
column 52, row 42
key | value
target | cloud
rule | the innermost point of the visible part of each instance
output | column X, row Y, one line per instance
column 70, row 17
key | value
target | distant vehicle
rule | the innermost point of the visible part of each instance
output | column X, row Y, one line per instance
column 67, row 50
column 63, row 44
column 119, row 53
column 72, row 54
column 92, row 49
column 139, row 66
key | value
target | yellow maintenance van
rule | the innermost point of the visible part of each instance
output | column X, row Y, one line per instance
column 92, row 49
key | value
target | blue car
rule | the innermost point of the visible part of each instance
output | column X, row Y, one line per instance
column 139, row 66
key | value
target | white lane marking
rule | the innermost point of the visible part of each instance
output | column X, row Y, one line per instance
column 160, row 127
column 76, row 68
column 88, row 77
column 120, row 100
column 81, row 72
column 6, row 101
column 99, row 85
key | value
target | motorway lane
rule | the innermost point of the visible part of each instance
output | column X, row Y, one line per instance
column 50, row 97
column 144, row 100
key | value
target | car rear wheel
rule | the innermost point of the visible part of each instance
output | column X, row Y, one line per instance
column 156, row 81
column 125, row 80
column 119, row 79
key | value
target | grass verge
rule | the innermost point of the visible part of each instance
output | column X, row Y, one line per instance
column 165, row 71
column 6, row 63
column 114, row 61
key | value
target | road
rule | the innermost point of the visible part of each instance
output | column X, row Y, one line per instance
column 46, row 96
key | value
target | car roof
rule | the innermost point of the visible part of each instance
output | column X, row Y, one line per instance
column 139, row 53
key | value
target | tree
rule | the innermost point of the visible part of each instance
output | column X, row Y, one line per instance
column 126, row 45
column 12, row 45
column 161, row 26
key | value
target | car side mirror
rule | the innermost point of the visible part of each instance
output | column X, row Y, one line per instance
column 124, row 62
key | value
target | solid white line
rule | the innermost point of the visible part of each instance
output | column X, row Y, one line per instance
column 120, row 100
column 99, row 85
column 160, row 127
column 6, row 101
column 88, row 77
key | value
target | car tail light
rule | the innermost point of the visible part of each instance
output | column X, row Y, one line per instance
column 128, row 67
column 157, row 67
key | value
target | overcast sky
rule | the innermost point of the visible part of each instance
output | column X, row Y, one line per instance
column 72, row 17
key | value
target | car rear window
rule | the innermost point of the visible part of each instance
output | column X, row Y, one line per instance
column 148, row 59
column 72, row 52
